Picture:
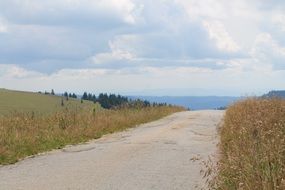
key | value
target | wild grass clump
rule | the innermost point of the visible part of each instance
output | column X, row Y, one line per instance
column 25, row 134
column 252, row 146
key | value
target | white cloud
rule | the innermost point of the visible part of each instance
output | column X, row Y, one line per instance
column 117, row 55
column 219, row 34
column 226, row 20
column 279, row 19
column 14, row 71
column 122, row 48
column 125, row 9
column 220, row 10
column 141, row 79
column 201, row 9
column 79, row 73
column 3, row 26
column 34, row 11
column 136, row 44
column 267, row 51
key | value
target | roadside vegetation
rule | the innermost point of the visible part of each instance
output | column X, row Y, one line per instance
column 252, row 146
column 24, row 133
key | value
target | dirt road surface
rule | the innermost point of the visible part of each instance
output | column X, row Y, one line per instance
column 157, row 155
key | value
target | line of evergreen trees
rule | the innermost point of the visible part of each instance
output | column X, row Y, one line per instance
column 110, row 101
column 113, row 101
column 69, row 95
column 106, row 101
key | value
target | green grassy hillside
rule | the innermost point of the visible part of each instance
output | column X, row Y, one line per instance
column 11, row 101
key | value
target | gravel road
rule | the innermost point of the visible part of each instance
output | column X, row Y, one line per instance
column 157, row 155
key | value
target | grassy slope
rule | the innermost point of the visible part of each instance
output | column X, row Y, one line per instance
column 11, row 101
column 23, row 133
column 253, row 146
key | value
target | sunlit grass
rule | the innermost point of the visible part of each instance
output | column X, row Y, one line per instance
column 252, row 146
column 25, row 134
column 11, row 101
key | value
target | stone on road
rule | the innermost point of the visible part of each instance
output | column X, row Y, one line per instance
column 157, row 155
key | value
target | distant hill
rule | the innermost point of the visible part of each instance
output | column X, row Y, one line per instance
column 28, row 101
column 193, row 102
column 275, row 93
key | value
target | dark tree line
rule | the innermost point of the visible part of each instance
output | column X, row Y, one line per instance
column 48, row 93
column 110, row 101
column 69, row 95
column 113, row 101
column 106, row 101
column 89, row 96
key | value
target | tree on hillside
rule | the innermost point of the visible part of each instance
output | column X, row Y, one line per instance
column 103, row 100
column 89, row 97
column 94, row 98
column 74, row 95
column 65, row 94
column 85, row 96
column 52, row 92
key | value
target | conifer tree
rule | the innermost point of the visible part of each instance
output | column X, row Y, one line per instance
column 85, row 96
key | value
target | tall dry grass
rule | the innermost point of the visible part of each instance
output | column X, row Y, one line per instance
column 24, row 134
column 252, row 146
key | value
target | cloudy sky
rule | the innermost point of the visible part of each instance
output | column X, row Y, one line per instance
column 163, row 47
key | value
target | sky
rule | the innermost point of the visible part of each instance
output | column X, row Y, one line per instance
column 143, row 47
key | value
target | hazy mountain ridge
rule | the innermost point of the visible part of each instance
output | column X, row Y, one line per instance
column 275, row 93
column 193, row 102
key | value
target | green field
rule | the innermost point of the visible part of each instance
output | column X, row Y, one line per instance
column 18, row 101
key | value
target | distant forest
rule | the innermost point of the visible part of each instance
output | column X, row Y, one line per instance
column 111, row 101
column 275, row 93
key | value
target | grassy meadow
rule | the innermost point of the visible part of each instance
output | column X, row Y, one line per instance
column 25, row 132
column 252, row 146
column 18, row 101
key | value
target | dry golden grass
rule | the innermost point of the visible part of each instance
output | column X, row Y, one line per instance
column 24, row 134
column 252, row 146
